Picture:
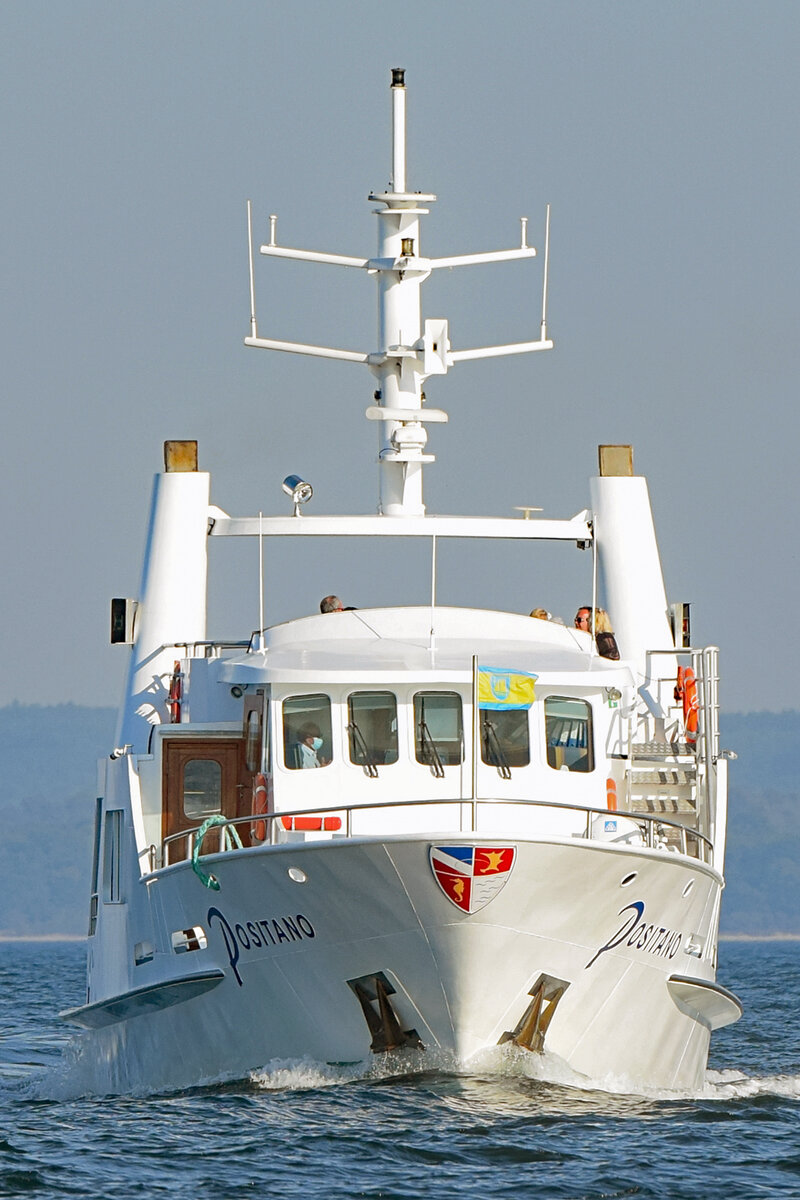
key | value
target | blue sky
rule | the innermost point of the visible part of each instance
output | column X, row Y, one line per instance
column 663, row 135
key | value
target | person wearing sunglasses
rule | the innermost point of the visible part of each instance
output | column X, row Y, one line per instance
column 603, row 632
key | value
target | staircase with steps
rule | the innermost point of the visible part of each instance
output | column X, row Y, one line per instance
column 662, row 778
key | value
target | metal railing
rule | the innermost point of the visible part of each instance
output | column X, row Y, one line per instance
column 706, row 749
column 657, row 832
column 705, row 665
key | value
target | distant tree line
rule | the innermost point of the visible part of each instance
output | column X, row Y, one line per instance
column 47, row 790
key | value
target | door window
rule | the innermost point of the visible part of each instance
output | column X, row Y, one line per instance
column 202, row 788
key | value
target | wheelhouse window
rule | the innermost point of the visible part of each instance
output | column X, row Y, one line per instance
column 568, row 731
column 438, row 730
column 307, row 734
column 505, row 741
column 372, row 729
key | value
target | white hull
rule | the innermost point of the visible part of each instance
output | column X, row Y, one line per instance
column 461, row 980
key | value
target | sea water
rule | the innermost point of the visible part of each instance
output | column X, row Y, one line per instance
column 510, row 1127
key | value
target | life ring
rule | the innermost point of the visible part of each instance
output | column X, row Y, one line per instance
column 686, row 691
column 611, row 795
column 261, row 804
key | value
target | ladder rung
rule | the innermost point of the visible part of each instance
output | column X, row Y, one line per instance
column 663, row 804
column 666, row 775
column 661, row 749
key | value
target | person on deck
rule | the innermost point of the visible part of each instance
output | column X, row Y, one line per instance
column 604, row 635
column 308, row 747
column 583, row 619
column 604, row 638
column 331, row 604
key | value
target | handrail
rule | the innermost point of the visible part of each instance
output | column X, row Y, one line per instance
column 705, row 666
column 653, row 830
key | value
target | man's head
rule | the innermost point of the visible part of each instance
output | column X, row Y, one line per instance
column 330, row 604
column 583, row 619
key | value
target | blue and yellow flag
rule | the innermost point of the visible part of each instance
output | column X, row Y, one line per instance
column 501, row 688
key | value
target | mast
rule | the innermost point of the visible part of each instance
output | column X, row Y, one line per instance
column 397, row 364
column 410, row 350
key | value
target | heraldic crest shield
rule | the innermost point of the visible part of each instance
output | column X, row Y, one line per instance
column 471, row 876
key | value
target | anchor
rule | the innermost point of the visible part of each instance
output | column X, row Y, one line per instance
column 530, row 1033
column 383, row 1023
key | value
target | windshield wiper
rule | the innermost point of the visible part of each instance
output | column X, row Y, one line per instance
column 494, row 751
column 430, row 753
column 363, row 753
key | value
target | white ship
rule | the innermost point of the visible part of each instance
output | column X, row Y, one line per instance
column 420, row 831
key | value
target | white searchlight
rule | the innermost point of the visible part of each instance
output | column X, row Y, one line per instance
column 300, row 491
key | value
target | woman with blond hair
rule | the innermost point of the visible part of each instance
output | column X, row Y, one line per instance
column 604, row 635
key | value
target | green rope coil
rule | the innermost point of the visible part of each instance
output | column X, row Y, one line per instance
column 230, row 840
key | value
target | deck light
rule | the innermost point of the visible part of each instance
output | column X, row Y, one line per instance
column 300, row 491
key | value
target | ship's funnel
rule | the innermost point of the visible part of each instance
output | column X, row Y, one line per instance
column 172, row 607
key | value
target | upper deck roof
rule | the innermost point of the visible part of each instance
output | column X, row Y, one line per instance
column 394, row 643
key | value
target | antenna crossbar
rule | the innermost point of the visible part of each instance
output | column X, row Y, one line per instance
column 499, row 351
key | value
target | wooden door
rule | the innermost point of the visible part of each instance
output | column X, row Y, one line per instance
column 201, row 778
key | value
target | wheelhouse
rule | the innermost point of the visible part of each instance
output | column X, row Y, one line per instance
column 400, row 742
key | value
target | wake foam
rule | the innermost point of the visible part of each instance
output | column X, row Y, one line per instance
column 304, row 1073
column 735, row 1085
column 517, row 1072
column 722, row 1085
column 495, row 1064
